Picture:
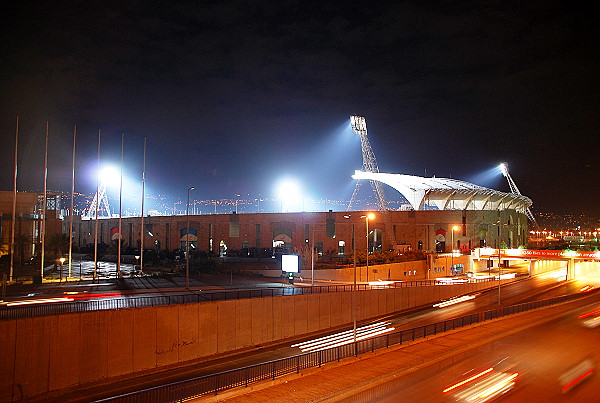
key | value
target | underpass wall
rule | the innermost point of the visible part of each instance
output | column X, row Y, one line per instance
column 543, row 266
column 587, row 271
column 43, row 354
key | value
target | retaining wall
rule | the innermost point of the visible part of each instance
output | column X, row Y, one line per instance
column 48, row 353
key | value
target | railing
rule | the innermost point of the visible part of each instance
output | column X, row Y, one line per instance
column 55, row 308
column 213, row 384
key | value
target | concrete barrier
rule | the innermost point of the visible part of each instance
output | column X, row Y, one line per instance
column 43, row 354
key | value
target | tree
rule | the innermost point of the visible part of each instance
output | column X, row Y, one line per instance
column 57, row 245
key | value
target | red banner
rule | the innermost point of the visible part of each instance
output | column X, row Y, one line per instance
column 536, row 254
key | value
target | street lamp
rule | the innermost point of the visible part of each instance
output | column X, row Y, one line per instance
column 187, row 239
column 62, row 261
column 368, row 217
column 452, row 246
column 353, row 284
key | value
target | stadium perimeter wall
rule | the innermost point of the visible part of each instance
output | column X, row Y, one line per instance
column 43, row 354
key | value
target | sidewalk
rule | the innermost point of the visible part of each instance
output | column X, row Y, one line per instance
column 336, row 381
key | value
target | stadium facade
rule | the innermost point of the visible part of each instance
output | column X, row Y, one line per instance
column 444, row 215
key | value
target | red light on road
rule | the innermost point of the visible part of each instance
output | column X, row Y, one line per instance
column 575, row 381
column 585, row 315
column 456, row 385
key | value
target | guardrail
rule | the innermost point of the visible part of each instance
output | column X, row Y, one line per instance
column 213, row 384
column 55, row 308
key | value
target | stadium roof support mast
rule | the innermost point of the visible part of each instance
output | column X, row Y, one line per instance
column 515, row 190
column 100, row 200
column 359, row 126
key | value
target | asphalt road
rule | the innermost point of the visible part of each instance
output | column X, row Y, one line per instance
column 540, row 355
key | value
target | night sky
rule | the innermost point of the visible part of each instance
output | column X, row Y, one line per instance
column 235, row 95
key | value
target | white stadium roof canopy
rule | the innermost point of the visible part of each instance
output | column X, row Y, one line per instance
column 447, row 194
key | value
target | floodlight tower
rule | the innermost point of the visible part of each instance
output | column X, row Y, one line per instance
column 359, row 126
column 515, row 190
column 101, row 201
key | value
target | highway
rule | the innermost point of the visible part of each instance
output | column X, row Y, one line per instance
column 522, row 291
column 540, row 356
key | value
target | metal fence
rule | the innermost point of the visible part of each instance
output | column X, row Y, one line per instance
column 55, row 308
column 213, row 384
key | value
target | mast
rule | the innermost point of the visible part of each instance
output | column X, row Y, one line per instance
column 44, row 205
column 142, row 231
column 72, row 203
column 14, row 206
column 359, row 126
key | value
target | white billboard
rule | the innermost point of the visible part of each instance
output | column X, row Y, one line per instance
column 290, row 263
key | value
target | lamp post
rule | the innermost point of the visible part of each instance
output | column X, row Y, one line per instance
column 353, row 284
column 187, row 239
column 499, row 273
column 312, row 258
column 368, row 217
column 454, row 228
column 62, row 261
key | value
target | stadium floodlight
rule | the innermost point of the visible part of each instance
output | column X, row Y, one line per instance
column 503, row 168
column 288, row 191
column 358, row 123
column 107, row 175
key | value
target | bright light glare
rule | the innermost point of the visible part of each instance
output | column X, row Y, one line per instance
column 347, row 337
column 456, row 385
column 380, row 283
column 110, row 175
column 502, row 385
column 288, row 190
column 504, row 168
column 455, row 301
column 489, row 385
column 39, row 301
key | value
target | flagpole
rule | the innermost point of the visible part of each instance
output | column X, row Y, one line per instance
column 14, row 206
column 72, row 199
column 120, row 208
column 44, row 205
column 142, row 232
column 97, row 203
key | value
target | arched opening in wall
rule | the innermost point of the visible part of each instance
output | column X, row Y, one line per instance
column 440, row 241
column 222, row 248
column 341, row 247
column 282, row 241
column 510, row 239
column 183, row 237
column 440, row 245
column 193, row 240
